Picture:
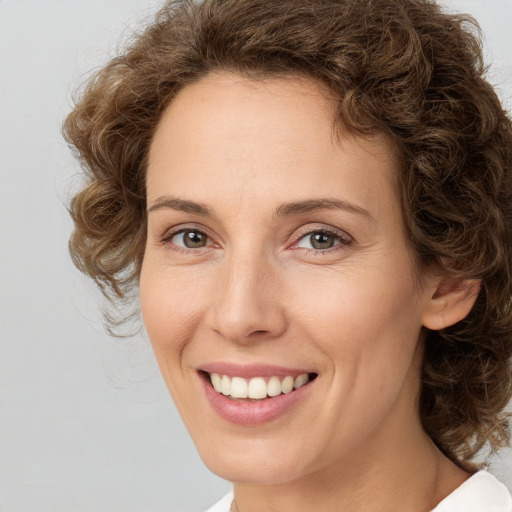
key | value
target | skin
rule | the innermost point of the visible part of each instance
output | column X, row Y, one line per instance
column 260, row 292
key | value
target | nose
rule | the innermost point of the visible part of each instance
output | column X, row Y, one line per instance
column 247, row 305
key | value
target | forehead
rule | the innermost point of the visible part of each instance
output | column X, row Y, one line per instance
column 225, row 107
column 251, row 136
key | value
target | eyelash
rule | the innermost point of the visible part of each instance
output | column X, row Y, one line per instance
column 343, row 239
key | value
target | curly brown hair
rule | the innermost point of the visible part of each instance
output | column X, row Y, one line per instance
column 402, row 68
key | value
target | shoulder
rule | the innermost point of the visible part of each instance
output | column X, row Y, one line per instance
column 480, row 493
column 223, row 505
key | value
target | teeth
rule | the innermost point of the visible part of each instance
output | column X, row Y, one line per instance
column 287, row 384
column 216, row 382
column 256, row 388
column 274, row 386
column 300, row 381
column 238, row 387
column 226, row 385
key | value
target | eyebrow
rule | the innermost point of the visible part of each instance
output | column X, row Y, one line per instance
column 311, row 205
column 284, row 210
column 181, row 205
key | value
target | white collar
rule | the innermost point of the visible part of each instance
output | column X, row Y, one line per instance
column 480, row 493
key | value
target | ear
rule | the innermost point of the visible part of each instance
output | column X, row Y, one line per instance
column 450, row 301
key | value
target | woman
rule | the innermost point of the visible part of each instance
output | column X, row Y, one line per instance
column 313, row 200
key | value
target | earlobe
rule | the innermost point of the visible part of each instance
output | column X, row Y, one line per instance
column 450, row 302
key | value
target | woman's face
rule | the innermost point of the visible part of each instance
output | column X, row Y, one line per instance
column 276, row 257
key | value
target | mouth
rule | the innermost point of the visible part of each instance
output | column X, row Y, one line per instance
column 250, row 396
column 257, row 388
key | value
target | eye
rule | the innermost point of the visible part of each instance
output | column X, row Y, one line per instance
column 188, row 238
column 322, row 240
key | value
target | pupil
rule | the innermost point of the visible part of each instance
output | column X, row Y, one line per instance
column 193, row 239
column 322, row 241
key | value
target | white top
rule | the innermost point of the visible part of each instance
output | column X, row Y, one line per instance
column 480, row 493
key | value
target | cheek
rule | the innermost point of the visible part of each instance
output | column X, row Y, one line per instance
column 169, row 306
column 368, row 331
column 358, row 302
column 367, row 323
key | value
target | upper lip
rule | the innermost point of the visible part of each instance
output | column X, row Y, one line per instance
column 249, row 371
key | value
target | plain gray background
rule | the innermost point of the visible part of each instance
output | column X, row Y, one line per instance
column 86, row 423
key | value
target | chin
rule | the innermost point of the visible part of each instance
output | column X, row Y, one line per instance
column 262, row 469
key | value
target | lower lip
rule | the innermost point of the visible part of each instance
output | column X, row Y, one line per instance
column 252, row 413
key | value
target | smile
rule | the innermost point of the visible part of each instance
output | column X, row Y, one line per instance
column 257, row 388
column 254, row 395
